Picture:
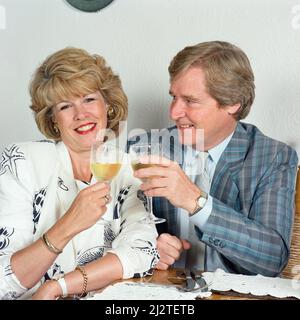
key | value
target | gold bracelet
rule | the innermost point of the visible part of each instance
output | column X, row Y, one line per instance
column 50, row 246
column 85, row 280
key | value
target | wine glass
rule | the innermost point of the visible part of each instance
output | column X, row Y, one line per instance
column 105, row 161
column 137, row 151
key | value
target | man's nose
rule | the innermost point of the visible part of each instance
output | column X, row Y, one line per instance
column 177, row 110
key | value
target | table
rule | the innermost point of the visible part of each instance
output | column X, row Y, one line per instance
column 161, row 277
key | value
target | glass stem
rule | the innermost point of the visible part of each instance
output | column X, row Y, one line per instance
column 150, row 207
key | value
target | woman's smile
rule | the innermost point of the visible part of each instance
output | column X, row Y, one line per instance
column 86, row 128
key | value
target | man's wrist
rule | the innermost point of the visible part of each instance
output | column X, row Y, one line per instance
column 199, row 203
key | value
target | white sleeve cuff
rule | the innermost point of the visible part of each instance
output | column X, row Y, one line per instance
column 10, row 286
column 132, row 260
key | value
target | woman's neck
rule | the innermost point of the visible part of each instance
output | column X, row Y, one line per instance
column 81, row 165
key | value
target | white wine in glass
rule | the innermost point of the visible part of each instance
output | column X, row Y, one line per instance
column 135, row 152
column 105, row 171
column 106, row 162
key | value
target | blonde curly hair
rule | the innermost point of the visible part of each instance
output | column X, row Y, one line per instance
column 73, row 72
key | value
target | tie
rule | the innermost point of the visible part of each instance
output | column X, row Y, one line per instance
column 195, row 256
column 203, row 179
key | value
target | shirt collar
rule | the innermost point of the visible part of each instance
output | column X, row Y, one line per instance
column 216, row 152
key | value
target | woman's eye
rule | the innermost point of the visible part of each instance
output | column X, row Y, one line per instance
column 64, row 107
column 87, row 100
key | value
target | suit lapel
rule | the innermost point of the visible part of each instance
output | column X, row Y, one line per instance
column 223, row 185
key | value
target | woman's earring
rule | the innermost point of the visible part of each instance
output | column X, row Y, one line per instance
column 110, row 112
column 56, row 128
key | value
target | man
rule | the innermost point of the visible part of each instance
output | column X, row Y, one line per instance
column 237, row 216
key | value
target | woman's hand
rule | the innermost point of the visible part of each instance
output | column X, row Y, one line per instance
column 88, row 207
column 48, row 291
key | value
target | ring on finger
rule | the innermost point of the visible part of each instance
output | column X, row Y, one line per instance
column 106, row 197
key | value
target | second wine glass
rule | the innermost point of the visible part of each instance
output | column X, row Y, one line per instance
column 137, row 151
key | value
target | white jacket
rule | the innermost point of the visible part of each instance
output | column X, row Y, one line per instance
column 37, row 186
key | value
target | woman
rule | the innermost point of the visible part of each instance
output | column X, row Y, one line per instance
column 49, row 208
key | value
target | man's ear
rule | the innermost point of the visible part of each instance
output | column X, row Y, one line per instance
column 233, row 109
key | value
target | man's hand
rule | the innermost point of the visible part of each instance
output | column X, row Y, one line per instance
column 167, row 179
column 169, row 248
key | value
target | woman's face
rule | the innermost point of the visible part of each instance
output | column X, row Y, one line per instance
column 79, row 119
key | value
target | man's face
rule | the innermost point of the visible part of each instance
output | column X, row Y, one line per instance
column 192, row 108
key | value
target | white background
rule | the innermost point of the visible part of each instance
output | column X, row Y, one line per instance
column 138, row 38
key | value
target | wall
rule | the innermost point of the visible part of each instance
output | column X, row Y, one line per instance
column 138, row 38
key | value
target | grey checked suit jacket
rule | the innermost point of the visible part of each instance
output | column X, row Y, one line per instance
column 249, row 229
